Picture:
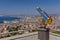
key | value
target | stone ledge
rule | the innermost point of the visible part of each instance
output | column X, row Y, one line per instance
column 20, row 36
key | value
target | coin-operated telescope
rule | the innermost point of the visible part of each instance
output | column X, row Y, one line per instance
column 46, row 19
column 43, row 32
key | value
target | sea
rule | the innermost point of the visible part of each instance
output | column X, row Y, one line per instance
column 7, row 18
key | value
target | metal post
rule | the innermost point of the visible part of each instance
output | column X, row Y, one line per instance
column 43, row 33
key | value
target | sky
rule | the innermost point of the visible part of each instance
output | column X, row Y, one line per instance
column 28, row 7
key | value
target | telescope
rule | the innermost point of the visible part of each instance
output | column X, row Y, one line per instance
column 47, row 19
column 43, row 32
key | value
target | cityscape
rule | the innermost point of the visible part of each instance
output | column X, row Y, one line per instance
column 20, row 20
column 29, row 23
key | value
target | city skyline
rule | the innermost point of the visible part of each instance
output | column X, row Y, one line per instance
column 28, row 7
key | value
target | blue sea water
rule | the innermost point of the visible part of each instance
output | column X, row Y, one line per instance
column 7, row 18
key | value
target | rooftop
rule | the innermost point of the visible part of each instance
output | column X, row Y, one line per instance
column 30, row 36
